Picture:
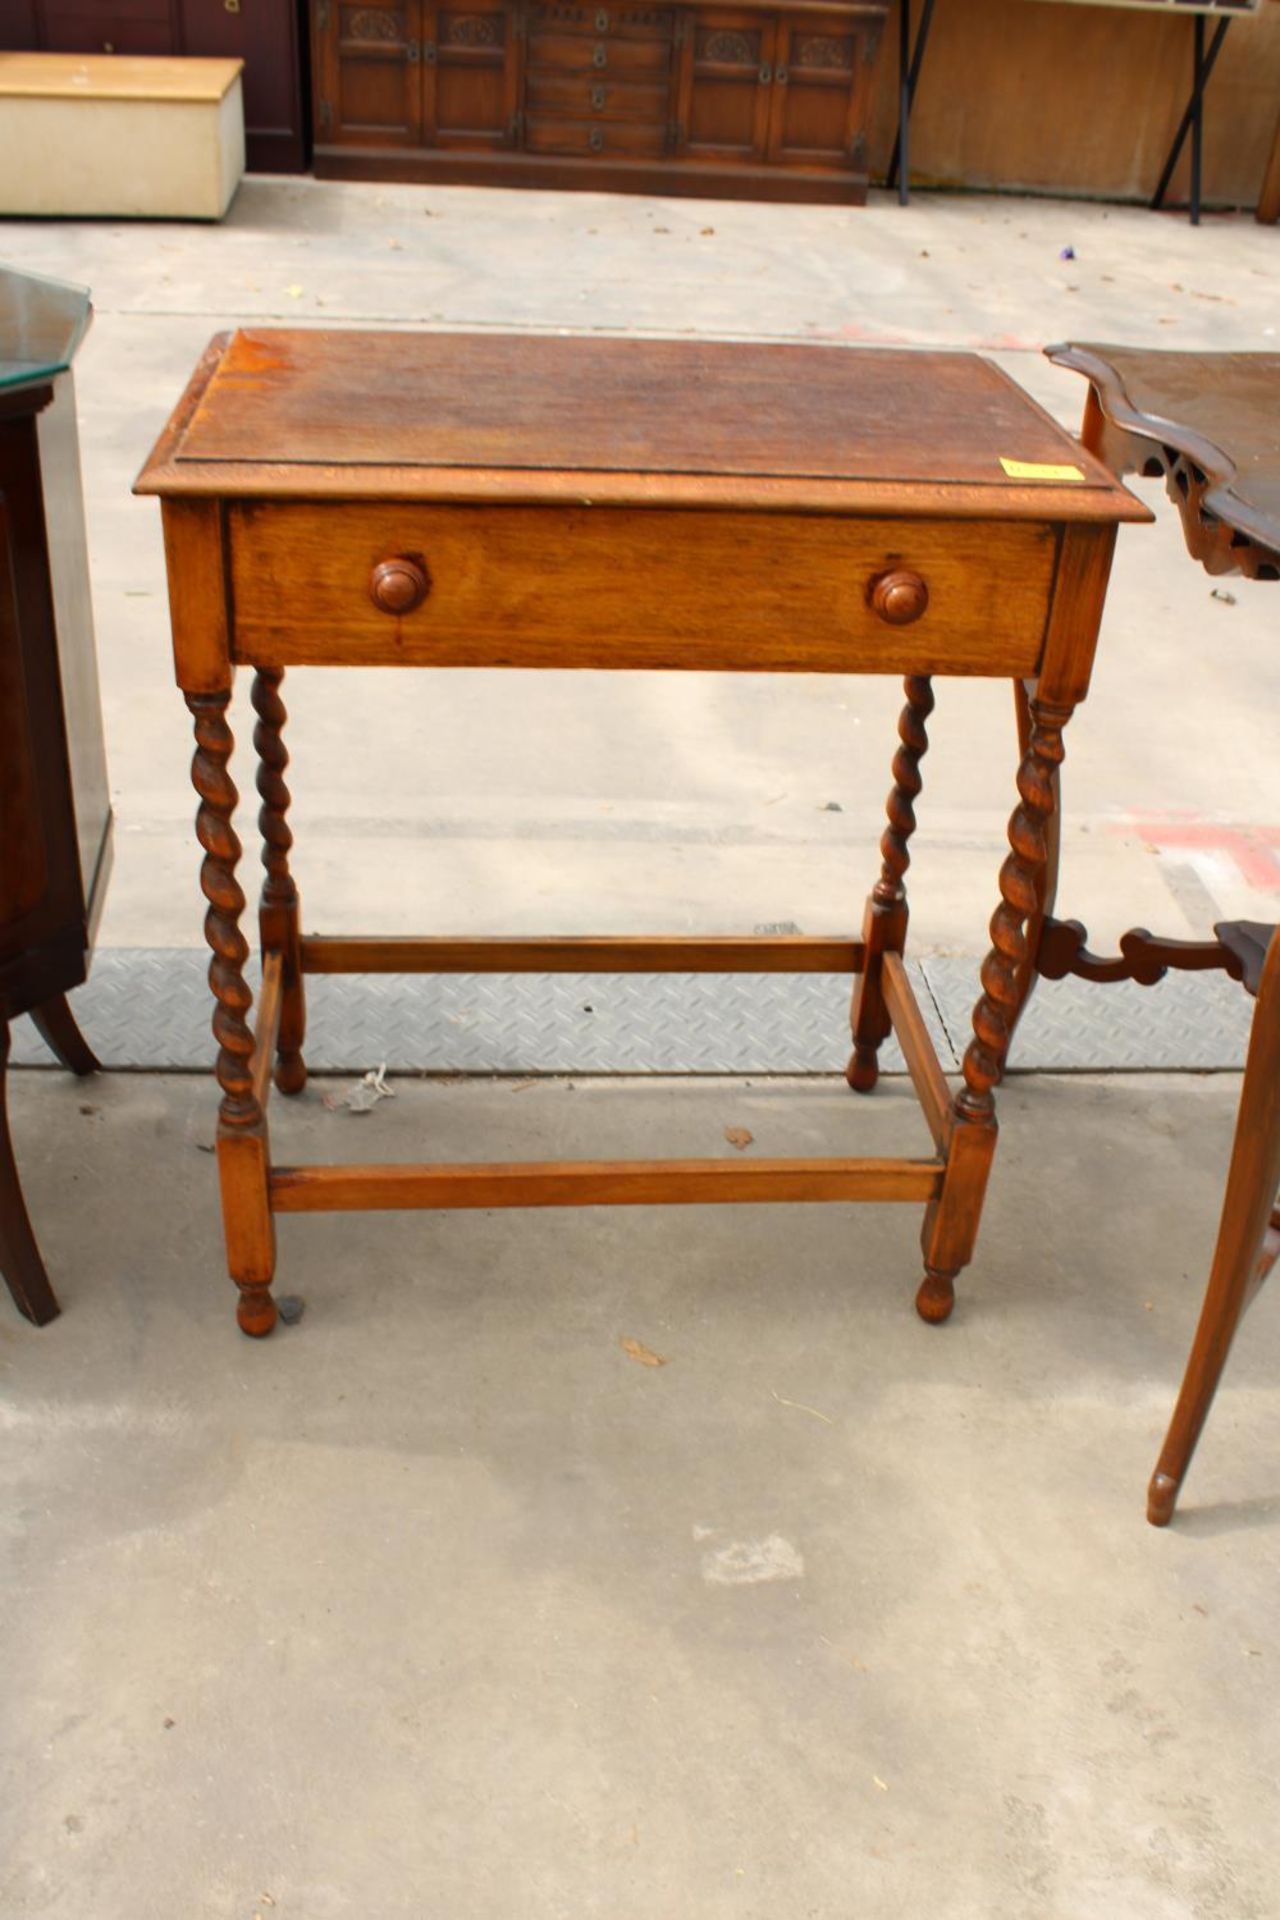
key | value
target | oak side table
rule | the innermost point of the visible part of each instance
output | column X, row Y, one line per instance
column 358, row 498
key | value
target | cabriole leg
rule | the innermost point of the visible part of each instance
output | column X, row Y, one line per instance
column 242, row 1133
column 20, row 1262
column 56, row 1024
column 278, row 916
column 951, row 1222
column 1240, row 1260
column 884, row 927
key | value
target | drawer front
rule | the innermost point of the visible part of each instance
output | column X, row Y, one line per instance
column 621, row 23
column 619, row 587
column 624, row 59
column 623, row 139
column 571, row 97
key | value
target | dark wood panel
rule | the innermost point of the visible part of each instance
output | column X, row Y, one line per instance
column 266, row 35
column 263, row 33
column 23, row 860
column 44, row 932
column 725, row 82
column 470, row 77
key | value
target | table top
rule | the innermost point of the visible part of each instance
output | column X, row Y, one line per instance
column 42, row 323
column 303, row 414
column 1219, row 411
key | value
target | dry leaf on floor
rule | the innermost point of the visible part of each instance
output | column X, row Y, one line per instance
column 636, row 1350
column 739, row 1137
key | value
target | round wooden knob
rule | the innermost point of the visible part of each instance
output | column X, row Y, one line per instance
column 900, row 597
column 398, row 586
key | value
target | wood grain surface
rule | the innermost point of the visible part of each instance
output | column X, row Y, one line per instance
column 611, row 587
column 288, row 414
column 613, row 1183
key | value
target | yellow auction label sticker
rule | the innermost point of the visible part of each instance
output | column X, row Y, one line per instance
column 1038, row 470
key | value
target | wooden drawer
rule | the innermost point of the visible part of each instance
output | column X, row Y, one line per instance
column 625, row 59
column 626, row 139
column 574, row 96
column 621, row 587
column 623, row 23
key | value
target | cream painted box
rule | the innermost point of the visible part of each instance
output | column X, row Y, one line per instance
column 119, row 135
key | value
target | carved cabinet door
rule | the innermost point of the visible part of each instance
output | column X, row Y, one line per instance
column 470, row 73
column 726, row 74
column 812, row 120
column 368, row 72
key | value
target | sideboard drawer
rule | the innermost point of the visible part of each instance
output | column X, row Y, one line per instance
column 631, row 138
column 577, row 97
column 619, row 587
column 625, row 23
column 626, row 59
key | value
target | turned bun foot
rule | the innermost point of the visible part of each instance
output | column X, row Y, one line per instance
column 863, row 1069
column 291, row 1073
column 1161, row 1496
column 256, row 1314
column 936, row 1297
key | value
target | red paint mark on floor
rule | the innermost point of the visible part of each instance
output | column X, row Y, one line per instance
column 1251, row 848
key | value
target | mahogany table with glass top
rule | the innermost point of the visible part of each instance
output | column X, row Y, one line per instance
column 1210, row 424
column 338, row 499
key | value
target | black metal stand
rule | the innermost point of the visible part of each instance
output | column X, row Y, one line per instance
column 909, row 64
column 1192, row 121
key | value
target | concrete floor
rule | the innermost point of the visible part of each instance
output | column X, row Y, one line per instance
column 439, row 1603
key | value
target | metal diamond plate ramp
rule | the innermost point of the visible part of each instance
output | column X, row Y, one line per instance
column 149, row 1008
column 1189, row 1022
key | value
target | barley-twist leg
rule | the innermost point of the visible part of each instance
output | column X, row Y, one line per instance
column 885, row 924
column 279, row 912
column 222, row 890
column 1004, row 980
column 951, row 1222
column 242, row 1138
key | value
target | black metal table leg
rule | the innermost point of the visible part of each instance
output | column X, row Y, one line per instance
column 1192, row 121
column 909, row 64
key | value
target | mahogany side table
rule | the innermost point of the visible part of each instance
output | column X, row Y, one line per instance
column 357, row 498
column 1210, row 424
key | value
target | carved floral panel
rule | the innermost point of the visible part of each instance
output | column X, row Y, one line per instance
column 471, row 29
column 376, row 25
column 727, row 46
column 833, row 53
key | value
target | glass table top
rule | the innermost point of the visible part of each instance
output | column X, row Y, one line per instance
column 42, row 323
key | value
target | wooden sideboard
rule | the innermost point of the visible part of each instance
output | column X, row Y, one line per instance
column 751, row 101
